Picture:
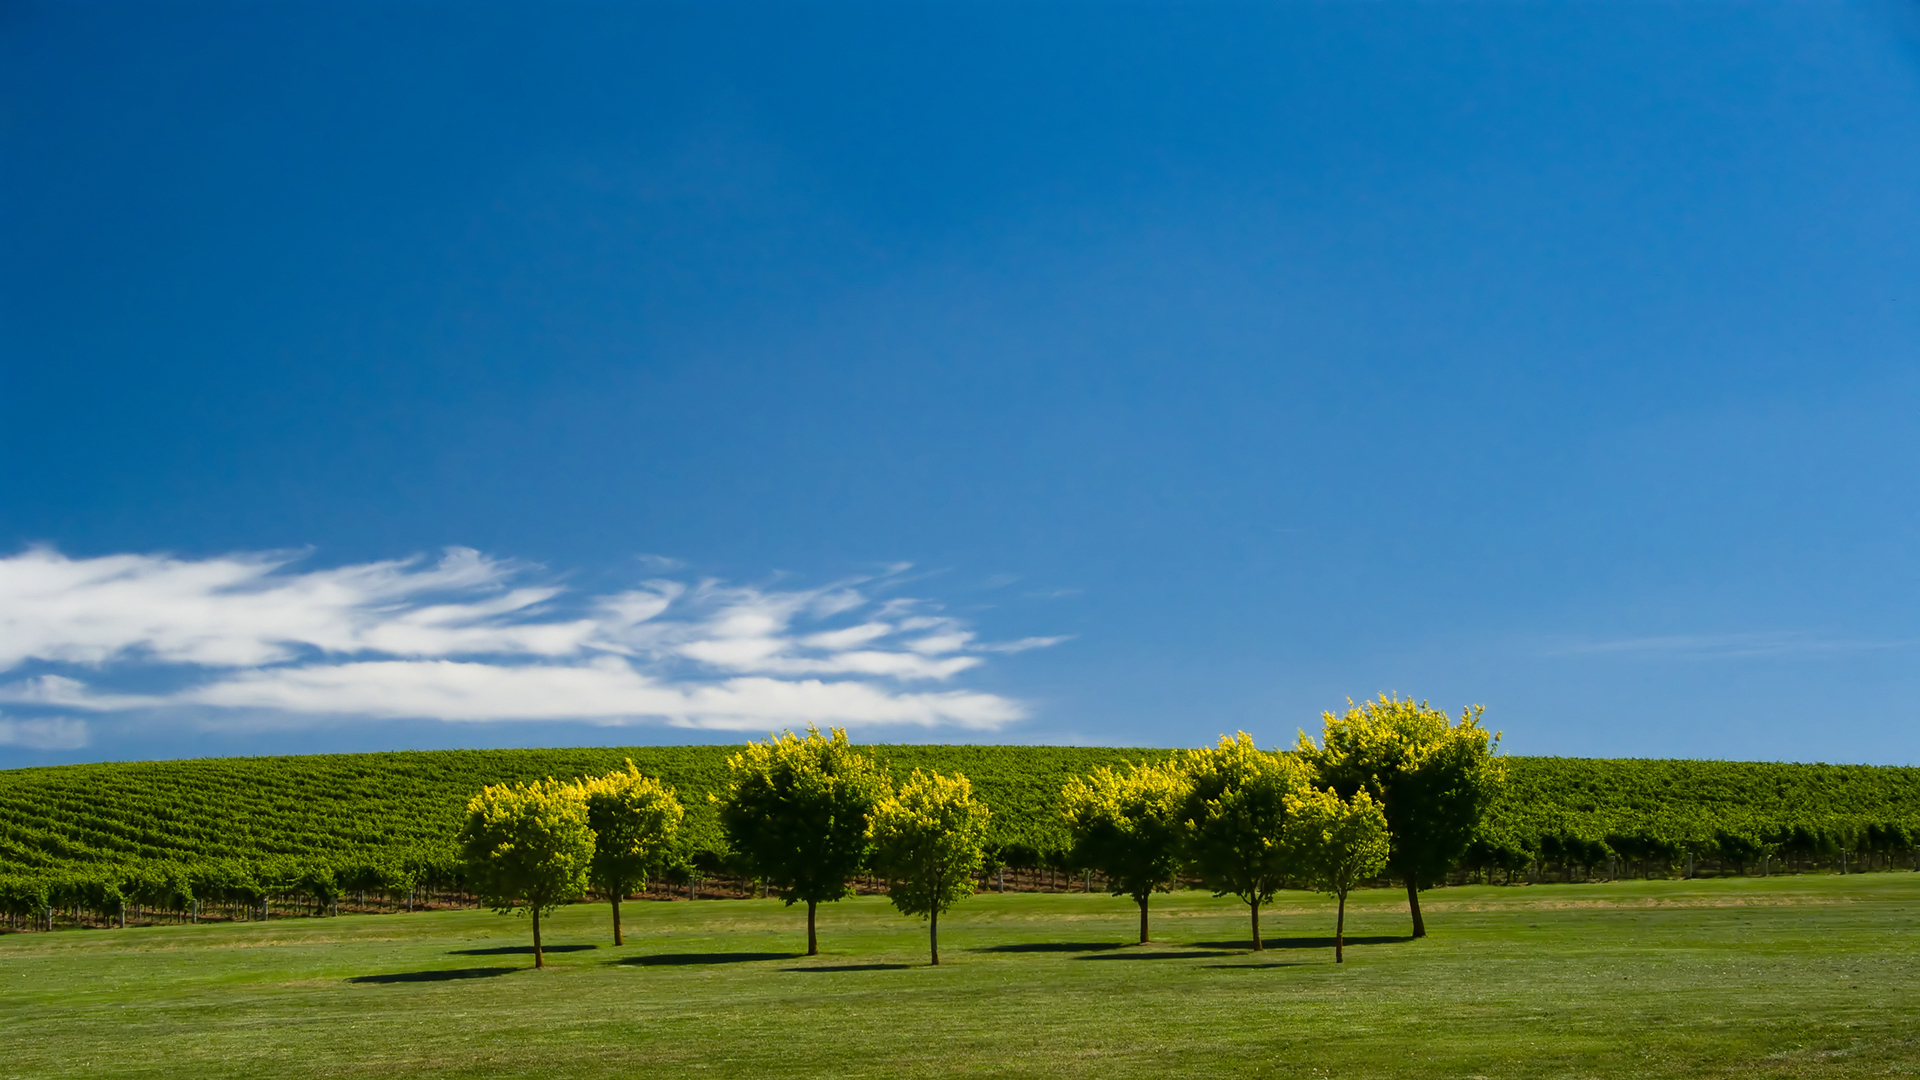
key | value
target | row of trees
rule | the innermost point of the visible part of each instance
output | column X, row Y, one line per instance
column 804, row 815
column 1393, row 784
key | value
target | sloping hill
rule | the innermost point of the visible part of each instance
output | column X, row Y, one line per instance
column 338, row 806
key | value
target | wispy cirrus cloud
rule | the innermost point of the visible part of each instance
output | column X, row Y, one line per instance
column 470, row 638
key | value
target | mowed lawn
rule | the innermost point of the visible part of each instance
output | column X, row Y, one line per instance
column 1806, row 976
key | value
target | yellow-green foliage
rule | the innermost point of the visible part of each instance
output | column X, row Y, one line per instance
column 635, row 819
column 1127, row 825
column 528, row 846
column 1336, row 843
column 929, row 840
column 796, row 811
column 1236, row 814
column 1434, row 779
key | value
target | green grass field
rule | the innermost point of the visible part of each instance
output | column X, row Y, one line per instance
column 1804, row 976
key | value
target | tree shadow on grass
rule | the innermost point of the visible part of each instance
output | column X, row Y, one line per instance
column 1053, row 946
column 1161, row 954
column 1256, row 967
column 851, row 967
column 445, row 975
column 519, row 950
column 1307, row 942
column 677, row 959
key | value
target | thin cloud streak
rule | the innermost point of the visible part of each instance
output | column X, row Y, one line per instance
column 467, row 638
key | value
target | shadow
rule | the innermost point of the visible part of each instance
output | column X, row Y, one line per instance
column 852, row 967
column 1169, row 954
column 1307, row 942
column 1254, row 967
column 434, row 976
column 520, row 950
column 1053, row 946
column 677, row 959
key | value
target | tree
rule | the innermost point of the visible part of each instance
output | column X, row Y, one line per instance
column 1434, row 780
column 528, row 847
column 929, row 840
column 1129, row 826
column 1236, row 816
column 1336, row 844
column 634, row 820
column 797, row 811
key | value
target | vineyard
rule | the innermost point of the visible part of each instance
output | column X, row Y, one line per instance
column 237, row 832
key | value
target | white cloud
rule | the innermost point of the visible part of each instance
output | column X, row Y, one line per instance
column 45, row 733
column 471, row 638
column 237, row 611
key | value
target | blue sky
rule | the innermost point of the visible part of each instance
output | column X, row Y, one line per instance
column 444, row 375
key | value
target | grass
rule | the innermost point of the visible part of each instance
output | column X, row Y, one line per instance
column 1802, row 976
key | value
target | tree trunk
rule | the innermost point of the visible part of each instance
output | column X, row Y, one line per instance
column 1340, row 931
column 1255, row 905
column 617, row 939
column 539, row 958
column 1143, row 917
column 813, row 942
column 1413, row 904
column 933, row 936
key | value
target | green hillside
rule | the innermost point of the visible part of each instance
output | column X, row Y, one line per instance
column 337, row 806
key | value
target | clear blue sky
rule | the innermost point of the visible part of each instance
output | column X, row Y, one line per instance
column 1558, row 358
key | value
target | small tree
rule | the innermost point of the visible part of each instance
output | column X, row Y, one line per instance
column 797, row 811
column 634, row 819
column 929, row 840
column 1129, row 826
column 1236, row 817
column 529, row 848
column 1433, row 779
column 1336, row 844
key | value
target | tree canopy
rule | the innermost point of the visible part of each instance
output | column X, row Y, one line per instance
column 1236, row 817
column 1434, row 780
column 1129, row 825
column 528, row 848
column 1336, row 844
column 929, row 839
column 634, row 819
column 797, row 811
